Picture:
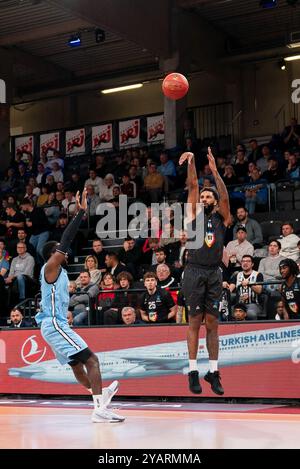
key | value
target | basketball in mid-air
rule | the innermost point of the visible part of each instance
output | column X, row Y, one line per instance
column 175, row 86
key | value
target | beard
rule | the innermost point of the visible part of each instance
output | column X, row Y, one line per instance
column 209, row 209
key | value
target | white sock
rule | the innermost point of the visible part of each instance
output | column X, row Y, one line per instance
column 193, row 365
column 98, row 401
column 213, row 365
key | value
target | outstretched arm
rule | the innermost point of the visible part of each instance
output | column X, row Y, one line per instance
column 224, row 206
column 192, row 180
column 55, row 261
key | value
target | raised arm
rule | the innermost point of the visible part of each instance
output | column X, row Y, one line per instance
column 192, row 180
column 58, row 258
column 224, row 206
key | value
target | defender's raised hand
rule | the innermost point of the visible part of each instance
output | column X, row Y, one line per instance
column 83, row 204
column 211, row 161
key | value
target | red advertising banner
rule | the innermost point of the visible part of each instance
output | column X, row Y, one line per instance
column 256, row 360
column 129, row 133
column 24, row 145
column 49, row 141
column 102, row 138
column 155, row 129
column 75, row 142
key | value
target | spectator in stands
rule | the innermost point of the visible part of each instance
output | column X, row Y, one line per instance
column 130, row 255
column 119, row 168
column 80, row 301
column 293, row 169
column 239, row 312
column 22, row 237
column 106, row 191
column 35, row 188
column 161, row 257
column 93, row 200
column 57, row 172
column 14, row 221
column 256, row 193
column 254, row 232
column 129, row 316
column 90, row 265
column 99, row 165
column 291, row 133
column 37, row 223
column 76, row 183
column 149, row 257
column 167, row 169
column 52, row 209
column 290, row 289
column 273, row 173
column 20, row 277
column 289, row 242
column 255, row 153
column 114, row 266
column 241, row 166
column 50, row 181
column 69, row 203
column 229, row 176
column 154, row 183
column 17, row 319
column 250, row 295
column 105, row 298
column 239, row 247
column 43, row 197
column 263, row 163
column 281, row 313
column 134, row 177
column 10, row 182
column 98, row 252
column 4, row 268
column 128, row 187
column 157, row 305
column 29, row 194
column 94, row 181
column 41, row 175
column 269, row 266
column 176, row 251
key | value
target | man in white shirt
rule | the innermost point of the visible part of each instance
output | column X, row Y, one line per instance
column 239, row 247
column 94, row 181
column 269, row 266
column 289, row 242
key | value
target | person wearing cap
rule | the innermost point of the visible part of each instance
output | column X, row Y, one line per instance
column 290, row 289
column 239, row 312
column 239, row 247
column 202, row 278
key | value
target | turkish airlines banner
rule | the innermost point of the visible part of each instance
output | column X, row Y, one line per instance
column 155, row 129
column 24, row 145
column 129, row 133
column 256, row 360
column 75, row 142
column 102, row 138
column 50, row 142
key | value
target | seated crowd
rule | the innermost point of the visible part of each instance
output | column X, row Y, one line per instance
column 140, row 283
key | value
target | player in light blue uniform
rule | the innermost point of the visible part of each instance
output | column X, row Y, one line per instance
column 67, row 345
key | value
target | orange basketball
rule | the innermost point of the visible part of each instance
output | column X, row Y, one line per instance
column 175, row 86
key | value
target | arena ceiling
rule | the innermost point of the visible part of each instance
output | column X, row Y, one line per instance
column 139, row 36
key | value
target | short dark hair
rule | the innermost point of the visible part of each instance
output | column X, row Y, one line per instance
column 248, row 256
column 48, row 249
column 275, row 241
column 241, row 306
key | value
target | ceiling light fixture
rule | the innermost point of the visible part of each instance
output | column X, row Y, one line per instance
column 75, row 40
column 122, row 88
column 292, row 57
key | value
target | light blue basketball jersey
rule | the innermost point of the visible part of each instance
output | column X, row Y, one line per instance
column 55, row 330
column 55, row 297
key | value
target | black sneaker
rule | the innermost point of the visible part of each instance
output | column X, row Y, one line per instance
column 214, row 380
column 194, row 384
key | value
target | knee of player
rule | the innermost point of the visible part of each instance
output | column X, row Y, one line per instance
column 211, row 323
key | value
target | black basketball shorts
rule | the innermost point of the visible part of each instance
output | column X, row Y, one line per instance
column 202, row 290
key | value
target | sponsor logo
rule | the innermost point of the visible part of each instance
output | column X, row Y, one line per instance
column 31, row 353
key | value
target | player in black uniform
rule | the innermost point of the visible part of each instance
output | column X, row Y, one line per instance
column 202, row 281
column 290, row 289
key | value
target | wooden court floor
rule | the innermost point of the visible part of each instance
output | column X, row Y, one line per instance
column 68, row 428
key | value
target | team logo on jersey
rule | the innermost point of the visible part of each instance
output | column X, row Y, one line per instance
column 293, row 307
column 210, row 235
column 153, row 316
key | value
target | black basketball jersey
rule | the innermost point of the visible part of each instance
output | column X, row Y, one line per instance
column 291, row 298
column 158, row 305
column 211, row 253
